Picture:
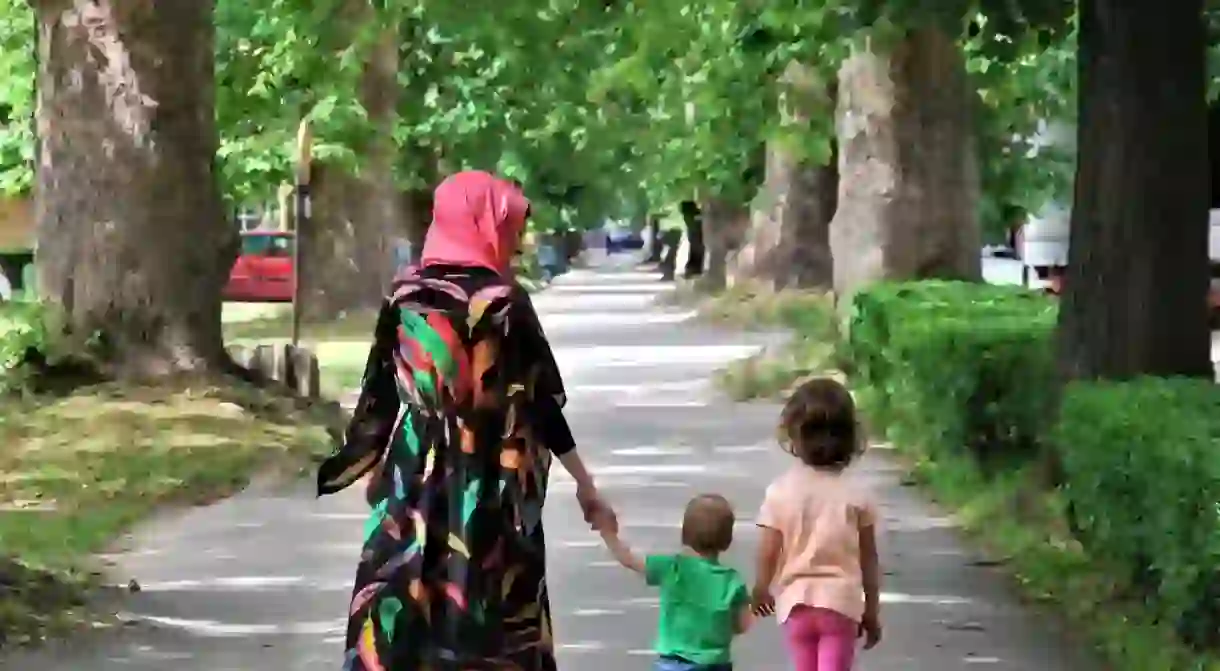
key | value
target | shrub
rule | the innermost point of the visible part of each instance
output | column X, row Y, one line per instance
column 1141, row 461
column 24, row 325
column 953, row 365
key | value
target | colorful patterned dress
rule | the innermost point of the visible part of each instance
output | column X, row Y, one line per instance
column 458, row 417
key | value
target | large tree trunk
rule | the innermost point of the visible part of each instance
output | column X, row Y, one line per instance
column 652, row 233
column 348, row 251
column 332, row 280
column 1135, row 293
column 908, row 173
column 724, row 228
column 382, row 219
column 132, row 240
column 788, row 243
column 696, row 252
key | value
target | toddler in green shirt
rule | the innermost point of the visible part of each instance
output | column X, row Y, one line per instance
column 704, row 603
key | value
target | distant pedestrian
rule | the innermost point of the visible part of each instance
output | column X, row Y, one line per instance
column 817, row 560
column 704, row 603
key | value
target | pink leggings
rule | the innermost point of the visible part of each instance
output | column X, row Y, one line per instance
column 820, row 639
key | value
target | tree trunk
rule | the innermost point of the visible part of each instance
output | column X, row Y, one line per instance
column 417, row 205
column 332, row 280
column 133, row 241
column 382, row 220
column 805, row 218
column 696, row 255
column 788, row 243
column 349, row 251
column 652, row 233
column 908, row 173
column 724, row 228
column 1135, row 292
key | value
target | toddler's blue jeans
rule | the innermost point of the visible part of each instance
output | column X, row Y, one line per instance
column 669, row 663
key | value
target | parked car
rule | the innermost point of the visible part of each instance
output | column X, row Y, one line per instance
column 621, row 238
column 263, row 271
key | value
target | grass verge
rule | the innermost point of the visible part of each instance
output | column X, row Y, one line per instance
column 354, row 325
column 78, row 471
column 808, row 316
column 1013, row 518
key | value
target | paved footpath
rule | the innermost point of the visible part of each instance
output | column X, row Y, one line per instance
column 261, row 582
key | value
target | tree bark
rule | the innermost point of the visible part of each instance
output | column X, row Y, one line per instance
column 908, row 172
column 1134, row 299
column 696, row 248
column 133, row 241
column 724, row 229
column 349, row 252
column 382, row 219
column 653, row 238
column 417, row 202
column 333, row 280
column 788, row 242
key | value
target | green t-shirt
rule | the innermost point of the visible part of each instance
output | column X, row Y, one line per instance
column 700, row 603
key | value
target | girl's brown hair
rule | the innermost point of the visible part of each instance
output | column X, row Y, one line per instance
column 818, row 425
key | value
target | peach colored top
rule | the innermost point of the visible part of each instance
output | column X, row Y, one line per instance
column 819, row 514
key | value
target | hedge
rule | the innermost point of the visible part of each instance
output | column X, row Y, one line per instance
column 1142, row 467
column 966, row 370
column 956, row 365
column 23, row 325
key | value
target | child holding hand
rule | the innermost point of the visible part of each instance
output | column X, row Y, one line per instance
column 818, row 569
column 704, row 604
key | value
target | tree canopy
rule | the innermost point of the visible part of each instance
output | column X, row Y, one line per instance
column 598, row 105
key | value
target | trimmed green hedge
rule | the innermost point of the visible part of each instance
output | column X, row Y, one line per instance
column 956, row 365
column 964, row 374
column 1142, row 467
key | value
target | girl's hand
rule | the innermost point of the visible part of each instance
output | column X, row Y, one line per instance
column 870, row 630
column 762, row 603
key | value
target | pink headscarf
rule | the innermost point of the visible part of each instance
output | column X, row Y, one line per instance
column 477, row 219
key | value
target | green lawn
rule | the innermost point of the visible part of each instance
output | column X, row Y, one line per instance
column 78, row 471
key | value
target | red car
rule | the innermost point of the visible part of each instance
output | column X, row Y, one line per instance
column 263, row 271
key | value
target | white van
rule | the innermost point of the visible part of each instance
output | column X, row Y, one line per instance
column 1042, row 245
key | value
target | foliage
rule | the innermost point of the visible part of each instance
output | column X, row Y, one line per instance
column 1025, row 80
column 24, row 326
column 1143, row 480
column 955, row 366
column 809, row 351
column 16, row 97
column 599, row 108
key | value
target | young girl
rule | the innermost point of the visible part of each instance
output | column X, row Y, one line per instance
column 704, row 603
column 817, row 559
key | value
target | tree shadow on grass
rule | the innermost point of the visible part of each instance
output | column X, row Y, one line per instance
column 77, row 470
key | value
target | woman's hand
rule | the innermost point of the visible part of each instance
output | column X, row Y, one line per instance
column 598, row 513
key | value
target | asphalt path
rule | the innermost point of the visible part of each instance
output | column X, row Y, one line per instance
column 261, row 582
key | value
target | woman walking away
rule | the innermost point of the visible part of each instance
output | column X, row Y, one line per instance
column 458, row 418
column 818, row 549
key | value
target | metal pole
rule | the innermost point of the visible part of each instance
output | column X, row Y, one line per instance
column 303, row 213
